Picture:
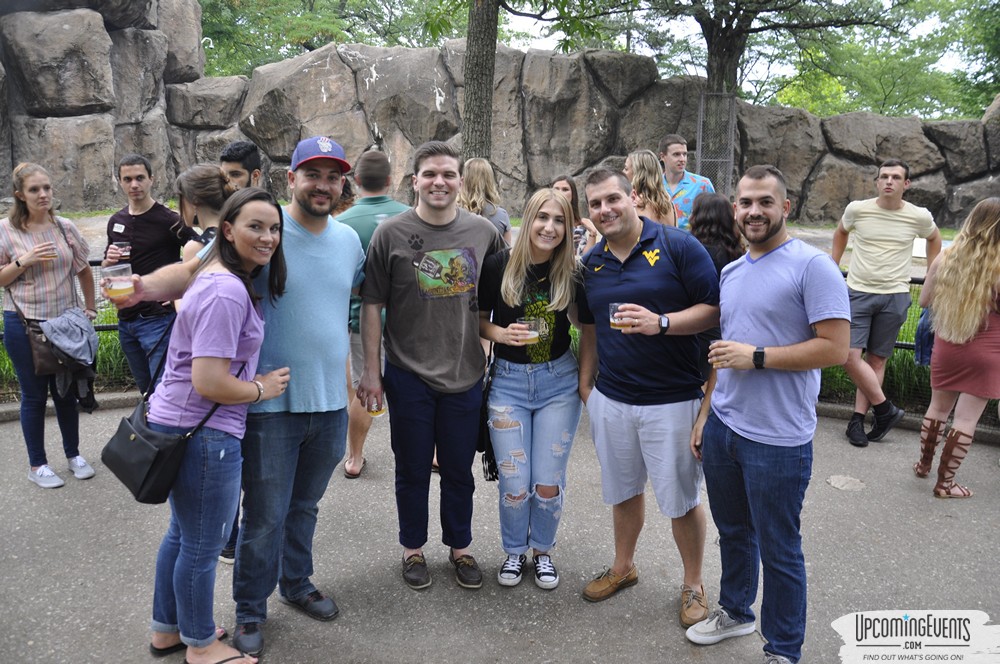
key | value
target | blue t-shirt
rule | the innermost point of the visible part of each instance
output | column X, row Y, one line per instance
column 667, row 271
column 307, row 327
column 773, row 301
column 217, row 320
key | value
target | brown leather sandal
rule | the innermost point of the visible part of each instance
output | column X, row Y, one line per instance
column 955, row 450
column 930, row 436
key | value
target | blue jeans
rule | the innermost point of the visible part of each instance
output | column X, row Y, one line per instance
column 755, row 492
column 35, row 392
column 202, row 503
column 420, row 418
column 138, row 338
column 288, row 459
column 542, row 404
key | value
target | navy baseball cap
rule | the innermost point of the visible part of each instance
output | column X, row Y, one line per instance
column 319, row 147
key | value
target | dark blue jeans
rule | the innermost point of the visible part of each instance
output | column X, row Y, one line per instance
column 35, row 391
column 419, row 419
column 138, row 338
column 202, row 501
column 755, row 492
column 288, row 459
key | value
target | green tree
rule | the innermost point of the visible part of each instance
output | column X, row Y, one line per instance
column 241, row 35
column 977, row 23
column 873, row 70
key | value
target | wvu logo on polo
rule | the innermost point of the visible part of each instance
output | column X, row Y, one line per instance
column 652, row 256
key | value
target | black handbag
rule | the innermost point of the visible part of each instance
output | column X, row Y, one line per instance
column 147, row 461
column 484, row 444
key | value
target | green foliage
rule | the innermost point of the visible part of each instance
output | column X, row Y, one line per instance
column 976, row 23
column 241, row 35
column 872, row 70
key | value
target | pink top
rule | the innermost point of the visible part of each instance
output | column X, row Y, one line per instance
column 48, row 288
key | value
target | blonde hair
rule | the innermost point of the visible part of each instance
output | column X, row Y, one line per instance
column 563, row 264
column 479, row 188
column 647, row 182
column 965, row 289
column 19, row 214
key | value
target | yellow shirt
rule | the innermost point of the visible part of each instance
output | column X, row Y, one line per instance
column 882, row 254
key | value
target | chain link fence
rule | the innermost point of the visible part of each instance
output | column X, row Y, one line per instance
column 716, row 140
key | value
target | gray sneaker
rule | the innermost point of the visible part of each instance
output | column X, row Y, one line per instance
column 45, row 477
column 81, row 469
column 718, row 626
column 771, row 658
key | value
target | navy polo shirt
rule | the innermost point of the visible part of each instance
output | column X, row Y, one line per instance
column 667, row 271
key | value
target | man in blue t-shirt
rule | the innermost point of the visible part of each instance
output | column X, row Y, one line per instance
column 785, row 315
column 648, row 390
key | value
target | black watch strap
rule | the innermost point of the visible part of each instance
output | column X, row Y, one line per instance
column 758, row 358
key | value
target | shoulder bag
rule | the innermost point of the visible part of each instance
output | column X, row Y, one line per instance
column 144, row 460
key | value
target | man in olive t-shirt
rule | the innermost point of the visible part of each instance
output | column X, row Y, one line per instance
column 423, row 268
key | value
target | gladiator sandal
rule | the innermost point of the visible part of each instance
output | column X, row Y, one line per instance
column 930, row 436
column 952, row 455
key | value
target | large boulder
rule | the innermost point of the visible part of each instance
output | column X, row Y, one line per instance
column 408, row 96
column 181, row 21
column 507, row 129
column 624, row 76
column 789, row 138
column 6, row 165
column 310, row 95
column 59, row 63
column 991, row 127
column 569, row 123
column 208, row 103
column 137, row 61
column 835, row 183
column 116, row 13
column 668, row 107
column 871, row 139
column 189, row 147
column 965, row 196
column 963, row 145
column 79, row 152
column 930, row 191
column 150, row 139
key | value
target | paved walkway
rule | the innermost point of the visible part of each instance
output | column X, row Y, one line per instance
column 76, row 565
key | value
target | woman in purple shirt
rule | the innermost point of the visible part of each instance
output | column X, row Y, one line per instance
column 212, row 359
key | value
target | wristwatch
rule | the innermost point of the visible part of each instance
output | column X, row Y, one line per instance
column 664, row 323
column 17, row 262
column 758, row 358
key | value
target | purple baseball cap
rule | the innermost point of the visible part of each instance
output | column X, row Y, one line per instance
column 319, row 147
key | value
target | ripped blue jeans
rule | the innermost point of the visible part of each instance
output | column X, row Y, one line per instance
column 534, row 411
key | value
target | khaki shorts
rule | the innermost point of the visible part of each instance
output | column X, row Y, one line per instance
column 358, row 359
column 636, row 442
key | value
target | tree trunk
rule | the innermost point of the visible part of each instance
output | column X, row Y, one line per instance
column 725, row 51
column 480, row 59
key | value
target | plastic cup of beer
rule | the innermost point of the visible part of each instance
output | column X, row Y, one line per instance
column 118, row 280
column 533, row 330
column 378, row 412
column 617, row 323
column 124, row 249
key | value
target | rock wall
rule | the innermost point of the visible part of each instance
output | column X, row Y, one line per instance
column 82, row 82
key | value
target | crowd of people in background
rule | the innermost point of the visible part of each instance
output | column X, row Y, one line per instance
column 279, row 333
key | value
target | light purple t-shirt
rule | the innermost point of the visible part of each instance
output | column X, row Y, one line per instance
column 773, row 301
column 218, row 320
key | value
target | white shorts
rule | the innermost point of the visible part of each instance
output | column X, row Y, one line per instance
column 358, row 359
column 636, row 442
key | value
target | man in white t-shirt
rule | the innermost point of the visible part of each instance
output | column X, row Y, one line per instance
column 878, row 282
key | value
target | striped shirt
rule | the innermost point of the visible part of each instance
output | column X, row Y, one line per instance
column 46, row 289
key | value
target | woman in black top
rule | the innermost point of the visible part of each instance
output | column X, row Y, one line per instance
column 534, row 405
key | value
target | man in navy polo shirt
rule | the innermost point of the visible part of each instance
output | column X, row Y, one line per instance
column 648, row 391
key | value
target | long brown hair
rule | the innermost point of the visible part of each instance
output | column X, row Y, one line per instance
column 19, row 215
